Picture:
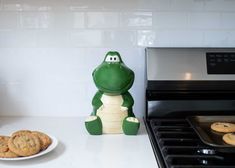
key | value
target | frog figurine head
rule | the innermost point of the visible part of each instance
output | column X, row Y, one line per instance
column 113, row 77
column 112, row 103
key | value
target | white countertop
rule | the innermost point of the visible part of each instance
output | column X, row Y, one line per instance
column 78, row 149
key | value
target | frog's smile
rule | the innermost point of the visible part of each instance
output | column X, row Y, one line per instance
column 113, row 78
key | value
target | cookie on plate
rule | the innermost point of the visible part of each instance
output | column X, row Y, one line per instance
column 24, row 144
column 224, row 127
column 229, row 138
column 45, row 140
column 3, row 143
column 4, row 150
column 8, row 154
column 21, row 132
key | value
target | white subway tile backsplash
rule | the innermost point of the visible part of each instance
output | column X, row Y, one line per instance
column 172, row 20
column 58, row 5
column 26, row 5
column 146, row 38
column 78, row 20
column 49, row 48
column 35, row 20
column 8, row 20
column 113, row 5
column 17, row 39
column 231, row 38
column 15, row 90
column 162, row 5
column 42, row 5
column 124, row 38
column 205, row 20
column 52, row 38
column 141, row 5
column 187, row 5
column 137, row 19
column 220, row 5
column 64, row 20
column 110, row 5
column 102, row 19
column 8, row 106
column 86, row 38
column 94, row 57
column 228, row 21
column 32, row 5
column 24, row 38
column 41, row 97
column 216, row 38
column 12, row 5
column 61, row 20
column 86, row 4
column 179, row 38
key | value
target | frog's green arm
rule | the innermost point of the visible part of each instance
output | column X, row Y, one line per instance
column 96, row 102
column 130, row 112
column 128, row 101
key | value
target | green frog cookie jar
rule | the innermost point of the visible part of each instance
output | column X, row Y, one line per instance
column 112, row 103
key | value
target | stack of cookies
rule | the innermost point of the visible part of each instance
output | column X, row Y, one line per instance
column 228, row 129
column 23, row 143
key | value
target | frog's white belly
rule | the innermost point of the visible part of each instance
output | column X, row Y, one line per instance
column 111, row 114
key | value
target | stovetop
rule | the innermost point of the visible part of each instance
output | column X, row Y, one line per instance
column 177, row 145
column 184, row 82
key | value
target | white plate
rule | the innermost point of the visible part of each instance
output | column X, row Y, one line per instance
column 49, row 149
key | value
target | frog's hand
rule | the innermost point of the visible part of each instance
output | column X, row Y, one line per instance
column 96, row 102
column 128, row 101
column 130, row 112
column 130, row 126
column 127, row 104
column 124, row 108
column 94, row 125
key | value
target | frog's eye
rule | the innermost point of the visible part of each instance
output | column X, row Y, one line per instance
column 113, row 59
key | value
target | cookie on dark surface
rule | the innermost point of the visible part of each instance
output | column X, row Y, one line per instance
column 229, row 138
column 224, row 127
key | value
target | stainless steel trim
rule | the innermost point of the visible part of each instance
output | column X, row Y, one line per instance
column 181, row 64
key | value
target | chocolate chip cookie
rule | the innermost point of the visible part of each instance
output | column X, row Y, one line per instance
column 224, row 127
column 229, row 138
column 24, row 144
column 45, row 140
column 4, row 149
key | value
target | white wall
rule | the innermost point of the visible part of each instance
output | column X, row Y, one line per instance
column 49, row 48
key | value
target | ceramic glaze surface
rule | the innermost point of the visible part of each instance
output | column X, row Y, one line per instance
column 112, row 103
column 111, row 114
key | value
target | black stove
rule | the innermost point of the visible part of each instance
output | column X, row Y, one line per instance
column 178, row 146
column 181, row 82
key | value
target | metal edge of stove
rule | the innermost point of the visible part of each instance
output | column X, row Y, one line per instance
column 196, row 69
column 155, row 147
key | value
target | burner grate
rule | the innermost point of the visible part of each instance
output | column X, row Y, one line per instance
column 181, row 147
